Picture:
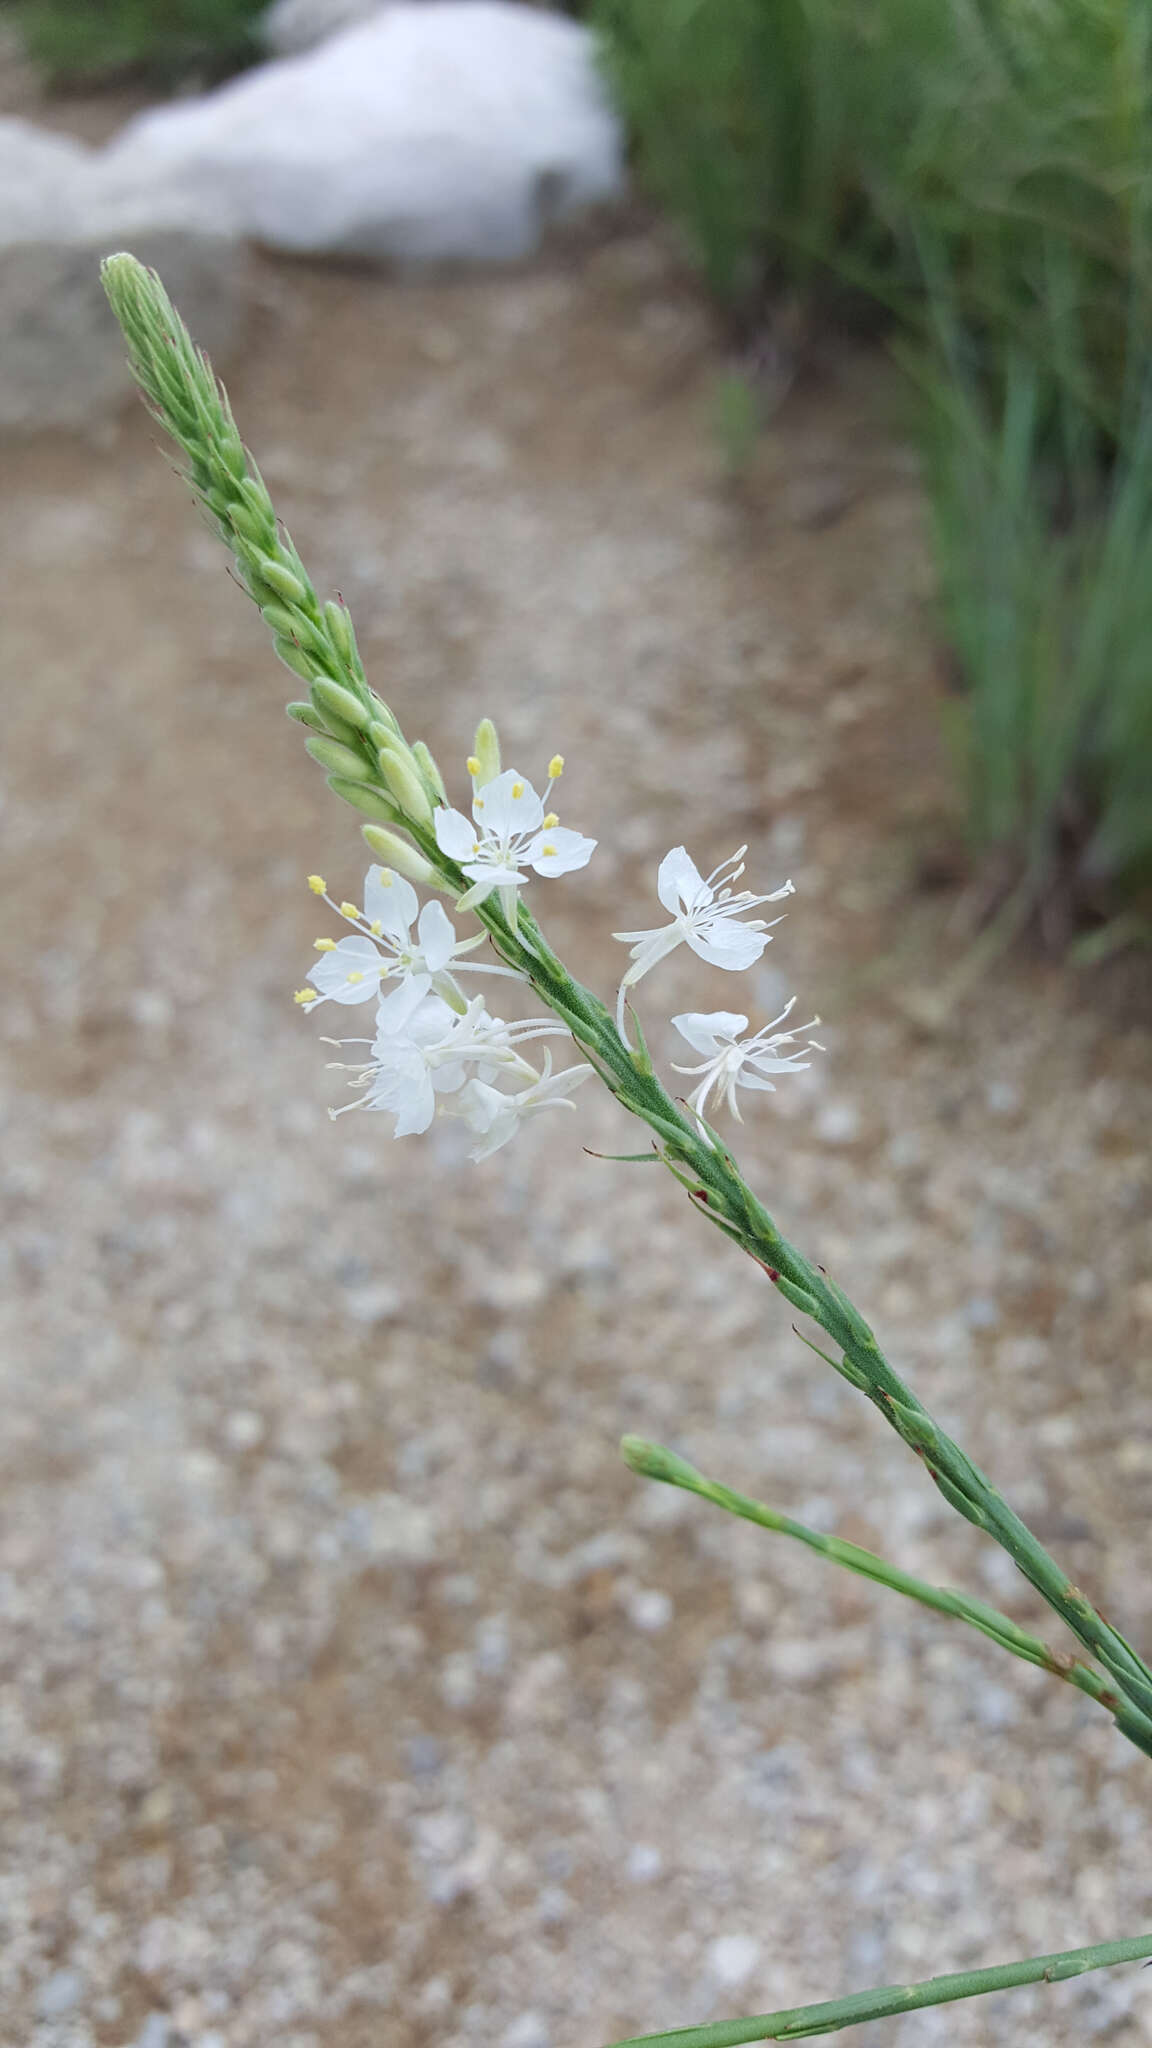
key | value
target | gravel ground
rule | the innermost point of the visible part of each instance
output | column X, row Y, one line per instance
column 351, row 1691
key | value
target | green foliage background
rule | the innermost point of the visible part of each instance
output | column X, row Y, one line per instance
column 981, row 170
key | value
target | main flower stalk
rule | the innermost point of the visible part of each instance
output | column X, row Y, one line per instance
column 355, row 737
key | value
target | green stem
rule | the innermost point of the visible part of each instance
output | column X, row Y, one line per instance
column 654, row 1461
column 721, row 1192
column 317, row 643
column 801, row 2022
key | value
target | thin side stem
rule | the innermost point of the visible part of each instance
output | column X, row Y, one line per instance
column 717, row 1187
column 802, row 2022
column 654, row 1461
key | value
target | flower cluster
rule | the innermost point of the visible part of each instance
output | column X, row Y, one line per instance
column 433, row 1051
column 438, row 1051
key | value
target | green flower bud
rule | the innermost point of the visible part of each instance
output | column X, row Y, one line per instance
column 340, row 632
column 402, row 777
column 362, row 798
column 259, row 532
column 294, row 657
column 486, row 752
column 386, row 716
column 305, row 714
column 332, row 698
column 293, row 625
column 653, row 1461
column 254, row 492
column 283, row 580
column 401, row 855
column 430, row 772
column 339, row 760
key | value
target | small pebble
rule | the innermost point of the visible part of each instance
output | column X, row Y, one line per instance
column 60, row 1994
column 531, row 2030
column 732, row 1959
column 649, row 1609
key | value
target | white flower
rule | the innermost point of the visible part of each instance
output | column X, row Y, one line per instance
column 509, row 830
column 430, row 1049
column 495, row 1117
column 383, row 948
column 731, row 1061
column 705, row 914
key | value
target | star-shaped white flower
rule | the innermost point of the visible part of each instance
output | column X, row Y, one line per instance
column 509, row 830
column 731, row 1061
column 431, row 1049
column 495, row 1116
column 708, row 915
column 382, row 947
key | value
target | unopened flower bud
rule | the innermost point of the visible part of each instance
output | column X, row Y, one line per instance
column 339, row 759
column 486, row 754
column 400, row 855
column 433, row 780
column 306, row 714
column 294, row 657
column 340, row 632
column 402, row 778
column 283, row 580
column 258, row 529
column 385, row 714
column 653, row 1461
column 372, row 802
column 332, row 699
column 292, row 625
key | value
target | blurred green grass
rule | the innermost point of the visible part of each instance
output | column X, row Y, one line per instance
column 980, row 170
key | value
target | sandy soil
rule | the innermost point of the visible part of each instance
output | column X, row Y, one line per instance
column 351, row 1691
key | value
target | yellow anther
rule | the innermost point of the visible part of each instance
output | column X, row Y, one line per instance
column 375, row 927
column 517, row 790
column 349, row 910
column 555, row 767
column 305, row 995
column 550, row 851
column 325, row 945
column 385, row 878
column 550, row 822
column 479, row 804
column 355, row 975
column 317, row 884
column 472, row 764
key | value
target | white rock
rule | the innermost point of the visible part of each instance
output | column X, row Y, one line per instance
column 453, row 131
column 732, row 1959
column 649, row 1608
column 61, row 353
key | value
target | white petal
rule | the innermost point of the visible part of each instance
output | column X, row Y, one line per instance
column 404, row 1088
column 456, row 835
column 502, row 1127
column 331, row 974
column 705, row 1029
column 726, row 943
column 480, row 1105
column 392, row 904
column 679, row 882
column 396, row 1009
column 555, row 1088
column 484, row 880
column 560, row 851
column 508, row 807
column 433, row 1022
column 437, row 936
